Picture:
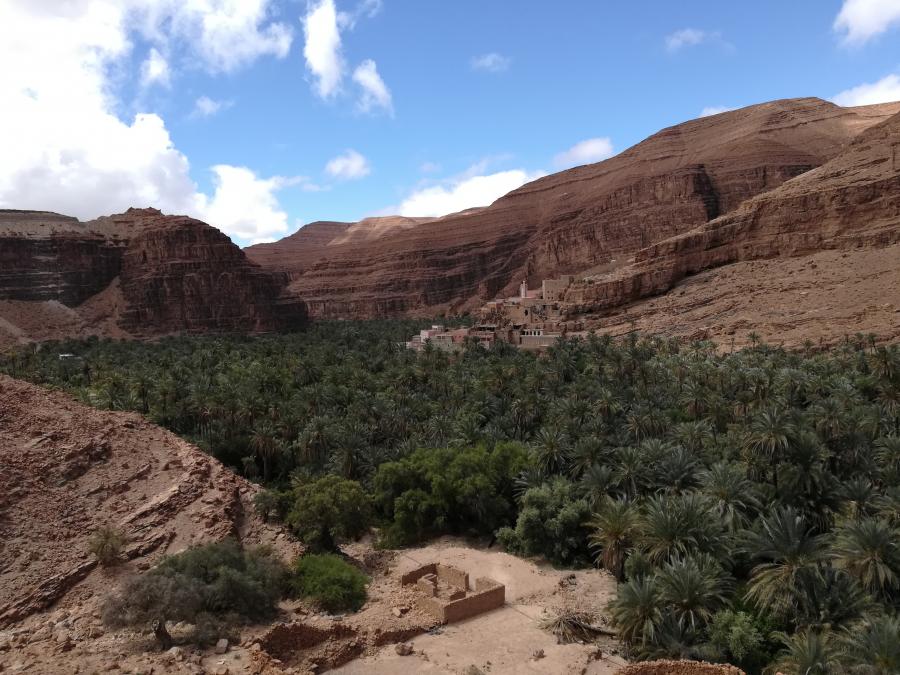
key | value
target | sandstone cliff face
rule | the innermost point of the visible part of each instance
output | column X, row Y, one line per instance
column 591, row 218
column 158, row 274
column 45, row 256
column 850, row 202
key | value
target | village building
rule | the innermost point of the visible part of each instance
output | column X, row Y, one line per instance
column 534, row 319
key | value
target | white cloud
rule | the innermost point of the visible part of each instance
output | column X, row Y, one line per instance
column 365, row 8
column 886, row 90
column 223, row 34
column 155, row 70
column 586, row 152
column 492, row 62
column 861, row 20
column 207, row 107
column 64, row 146
column 244, row 206
column 323, row 48
column 348, row 166
column 686, row 37
column 715, row 110
column 464, row 193
column 375, row 93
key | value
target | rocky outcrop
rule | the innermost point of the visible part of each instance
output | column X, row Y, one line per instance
column 159, row 274
column 69, row 470
column 851, row 201
column 589, row 219
column 46, row 256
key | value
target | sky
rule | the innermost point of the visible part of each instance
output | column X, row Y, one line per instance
column 259, row 116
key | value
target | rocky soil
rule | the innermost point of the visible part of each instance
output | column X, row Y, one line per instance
column 821, row 298
column 67, row 470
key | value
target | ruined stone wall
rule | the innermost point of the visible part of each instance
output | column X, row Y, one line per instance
column 416, row 574
column 489, row 595
column 453, row 576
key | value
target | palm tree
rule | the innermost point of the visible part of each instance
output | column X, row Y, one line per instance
column 807, row 653
column 873, row 646
column 614, row 527
column 596, row 483
column 869, row 549
column 637, row 610
column 266, row 444
column 768, row 437
column 552, row 448
column 732, row 495
column 678, row 525
column 693, row 588
column 791, row 554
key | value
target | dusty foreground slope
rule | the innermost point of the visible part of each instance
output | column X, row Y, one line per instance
column 583, row 220
column 65, row 470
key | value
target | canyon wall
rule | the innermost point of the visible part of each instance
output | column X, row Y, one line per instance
column 586, row 220
column 850, row 202
column 148, row 273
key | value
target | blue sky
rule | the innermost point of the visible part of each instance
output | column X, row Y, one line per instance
column 261, row 115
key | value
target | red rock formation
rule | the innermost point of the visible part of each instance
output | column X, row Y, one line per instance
column 169, row 273
column 851, row 201
column 588, row 218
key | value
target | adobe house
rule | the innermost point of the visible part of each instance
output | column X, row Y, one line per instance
column 445, row 594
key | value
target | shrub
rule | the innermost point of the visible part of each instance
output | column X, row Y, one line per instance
column 106, row 544
column 434, row 491
column 329, row 510
column 213, row 586
column 329, row 582
column 551, row 523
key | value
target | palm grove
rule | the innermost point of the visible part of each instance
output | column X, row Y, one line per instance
column 748, row 503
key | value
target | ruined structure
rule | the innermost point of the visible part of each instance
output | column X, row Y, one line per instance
column 445, row 594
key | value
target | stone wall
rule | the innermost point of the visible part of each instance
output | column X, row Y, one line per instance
column 488, row 595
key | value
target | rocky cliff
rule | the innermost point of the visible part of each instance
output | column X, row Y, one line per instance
column 588, row 219
column 851, row 201
column 141, row 271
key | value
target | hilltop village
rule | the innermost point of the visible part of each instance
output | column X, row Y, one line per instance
column 533, row 319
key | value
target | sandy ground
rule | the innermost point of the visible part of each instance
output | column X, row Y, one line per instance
column 821, row 297
column 506, row 639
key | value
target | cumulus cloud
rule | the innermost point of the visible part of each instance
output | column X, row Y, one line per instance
column 207, row 107
column 224, row 34
column 714, row 110
column 885, row 90
column 65, row 147
column 586, row 152
column 245, row 206
column 348, row 166
column 322, row 51
column 464, row 192
column 375, row 93
column 155, row 69
column 492, row 62
column 861, row 20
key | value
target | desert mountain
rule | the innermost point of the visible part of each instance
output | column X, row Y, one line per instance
column 137, row 273
column 592, row 218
